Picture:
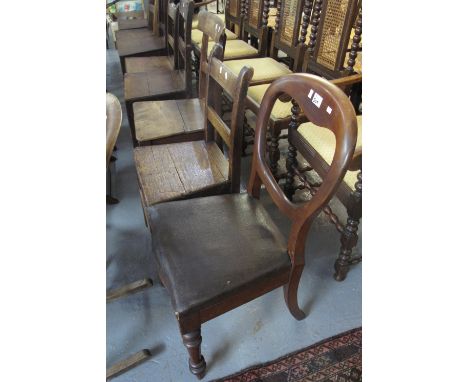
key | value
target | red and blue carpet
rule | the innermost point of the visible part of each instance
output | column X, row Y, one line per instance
column 336, row 359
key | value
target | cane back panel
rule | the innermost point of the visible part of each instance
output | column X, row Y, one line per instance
column 336, row 21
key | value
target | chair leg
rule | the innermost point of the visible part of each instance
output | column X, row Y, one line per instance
column 290, row 292
column 192, row 342
column 349, row 237
column 131, row 121
column 291, row 162
column 274, row 152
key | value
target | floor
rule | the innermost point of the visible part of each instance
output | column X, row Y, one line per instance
column 257, row 332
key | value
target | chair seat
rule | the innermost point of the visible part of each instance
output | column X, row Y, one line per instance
column 195, row 20
column 147, row 64
column 323, row 141
column 161, row 119
column 236, row 49
column 197, row 36
column 280, row 110
column 125, row 24
column 178, row 170
column 266, row 69
column 129, row 44
column 209, row 249
column 158, row 83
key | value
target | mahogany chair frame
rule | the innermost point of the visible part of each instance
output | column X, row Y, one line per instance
column 178, row 21
column 342, row 122
column 254, row 24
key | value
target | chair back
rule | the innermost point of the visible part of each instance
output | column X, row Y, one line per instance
column 332, row 23
column 325, row 105
column 288, row 27
column 222, row 79
column 184, row 42
column 233, row 13
column 113, row 122
column 171, row 33
column 255, row 23
column 212, row 27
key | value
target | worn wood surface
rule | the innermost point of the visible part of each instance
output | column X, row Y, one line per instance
column 147, row 64
column 158, row 119
column 127, row 364
column 167, row 172
column 152, row 84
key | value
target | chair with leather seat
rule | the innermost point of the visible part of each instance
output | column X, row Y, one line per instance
column 219, row 252
column 195, row 168
column 165, row 83
column 170, row 121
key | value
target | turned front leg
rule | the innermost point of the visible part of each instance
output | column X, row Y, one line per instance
column 192, row 342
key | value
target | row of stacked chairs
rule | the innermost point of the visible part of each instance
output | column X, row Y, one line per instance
column 188, row 147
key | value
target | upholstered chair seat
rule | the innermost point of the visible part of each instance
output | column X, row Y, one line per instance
column 266, row 69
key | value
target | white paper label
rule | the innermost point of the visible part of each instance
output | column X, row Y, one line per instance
column 329, row 109
column 317, row 100
column 310, row 93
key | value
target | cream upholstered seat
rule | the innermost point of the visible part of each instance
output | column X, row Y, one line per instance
column 195, row 20
column 197, row 36
column 323, row 141
column 266, row 69
column 236, row 49
column 280, row 109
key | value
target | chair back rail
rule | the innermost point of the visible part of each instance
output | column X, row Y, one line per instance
column 171, row 33
column 329, row 41
column 222, row 79
column 287, row 29
column 184, row 45
column 327, row 106
column 212, row 27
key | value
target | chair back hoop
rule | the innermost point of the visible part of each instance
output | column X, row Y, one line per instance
column 222, row 79
column 212, row 27
column 325, row 105
column 233, row 14
column 113, row 122
column 287, row 27
column 332, row 39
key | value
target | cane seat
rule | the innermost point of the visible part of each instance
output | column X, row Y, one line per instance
column 323, row 141
column 179, row 170
column 211, row 248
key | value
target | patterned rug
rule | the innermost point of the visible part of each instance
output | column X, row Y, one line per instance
column 336, row 359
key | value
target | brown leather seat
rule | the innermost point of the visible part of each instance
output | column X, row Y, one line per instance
column 238, row 247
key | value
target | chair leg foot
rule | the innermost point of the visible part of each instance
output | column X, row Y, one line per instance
column 111, row 200
column 192, row 342
column 290, row 293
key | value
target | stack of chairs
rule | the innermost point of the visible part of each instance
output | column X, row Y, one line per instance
column 217, row 248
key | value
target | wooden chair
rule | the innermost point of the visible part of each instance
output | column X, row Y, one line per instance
column 169, row 121
column 155, row 63
column 217, row 253
column 142, row 41
column 234, row 48
column 164, row 83
column 317, row 146
column 113, row 123
column 134, row 20
column 254, row 27
column 189, row 169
